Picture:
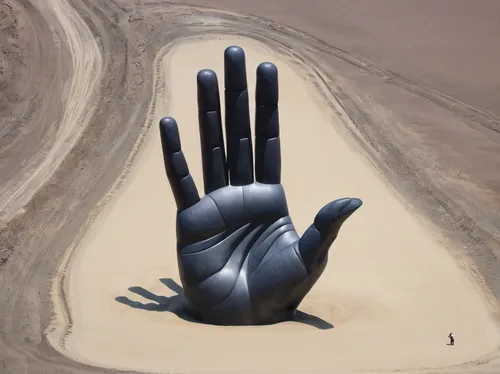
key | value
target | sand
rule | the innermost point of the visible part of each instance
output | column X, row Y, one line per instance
column 79, row 91
column 391, row 292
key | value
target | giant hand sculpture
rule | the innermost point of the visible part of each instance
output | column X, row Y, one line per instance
column 240, row 259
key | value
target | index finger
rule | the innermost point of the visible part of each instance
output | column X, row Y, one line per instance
column 267, row 140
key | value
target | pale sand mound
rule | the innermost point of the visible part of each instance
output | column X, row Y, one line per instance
column 391, row 291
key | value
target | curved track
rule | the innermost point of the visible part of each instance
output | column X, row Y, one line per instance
column 79, row 89
column 70, row 127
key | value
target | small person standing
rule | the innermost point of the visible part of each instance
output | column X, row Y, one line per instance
column 452, row 338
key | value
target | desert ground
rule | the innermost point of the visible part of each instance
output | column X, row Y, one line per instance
column 395, row 102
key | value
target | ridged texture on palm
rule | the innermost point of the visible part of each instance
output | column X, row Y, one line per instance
column 240, row 259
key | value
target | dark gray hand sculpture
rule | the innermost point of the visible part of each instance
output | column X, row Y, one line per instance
column 240, row 259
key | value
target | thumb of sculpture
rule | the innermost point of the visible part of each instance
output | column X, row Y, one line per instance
column 316, row 241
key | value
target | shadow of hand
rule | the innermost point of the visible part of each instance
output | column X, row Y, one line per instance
column 179, row 306
column 176, row 304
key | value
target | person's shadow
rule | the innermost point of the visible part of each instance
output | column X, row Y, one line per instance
column 178, row 305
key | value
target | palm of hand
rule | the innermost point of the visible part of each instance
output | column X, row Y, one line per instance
column 240, row 258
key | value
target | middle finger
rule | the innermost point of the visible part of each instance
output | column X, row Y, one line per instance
column 239, row 139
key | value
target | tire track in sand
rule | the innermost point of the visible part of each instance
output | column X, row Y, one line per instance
column 87, row 64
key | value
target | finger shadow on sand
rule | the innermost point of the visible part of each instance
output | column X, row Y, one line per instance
column 176, row 304
column 179, row 306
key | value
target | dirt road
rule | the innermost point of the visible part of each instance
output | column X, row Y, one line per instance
column 78, row 90
column 77, row 82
